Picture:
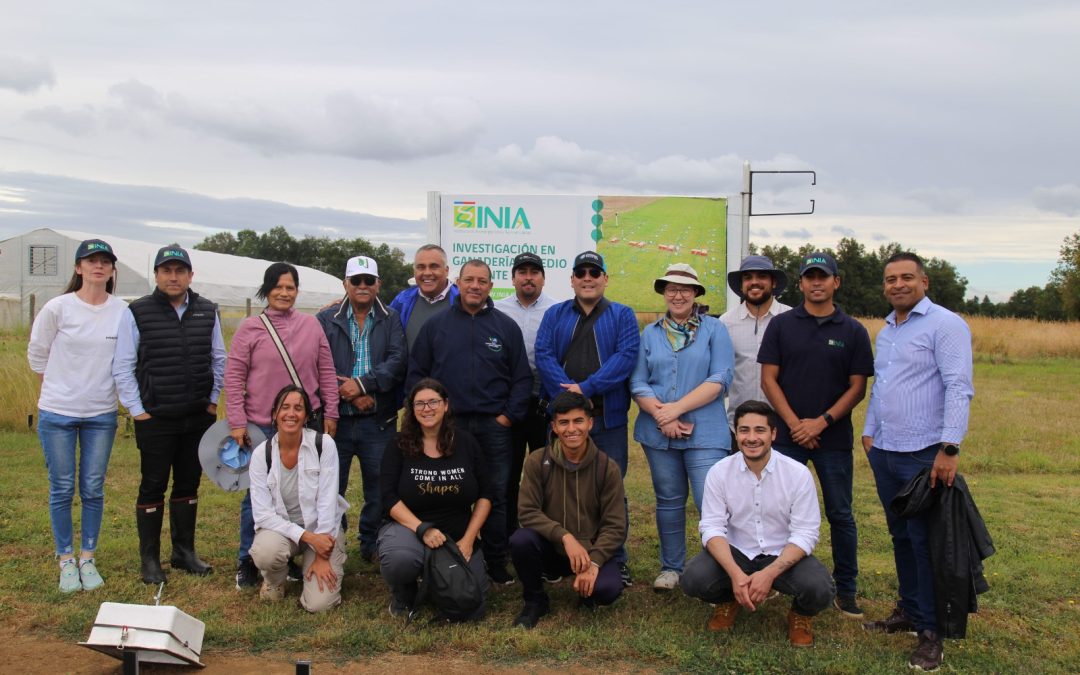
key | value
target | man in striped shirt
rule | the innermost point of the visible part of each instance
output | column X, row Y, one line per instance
column 917, row 418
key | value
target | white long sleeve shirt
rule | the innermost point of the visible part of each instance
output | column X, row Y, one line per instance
column 760, row 516
column 317, row 483
column 72, row 345
column 746, row 331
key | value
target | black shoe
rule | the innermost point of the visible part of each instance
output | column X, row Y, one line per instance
column 897, row 622
column 294, row 573
column 550, row 578
column 499, row 575
column 182, row 517
column 148, row 523
column 247, row 575
column 928, row 655
column 530, row 614
column 624, row 574
column 847, row 606
column 588, row 604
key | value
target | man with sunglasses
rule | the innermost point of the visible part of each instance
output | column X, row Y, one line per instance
column 368, row 346
column 589, row 345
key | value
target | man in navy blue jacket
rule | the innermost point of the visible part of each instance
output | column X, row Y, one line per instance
column 589, row 345
column 367, row 343
column 477, row 352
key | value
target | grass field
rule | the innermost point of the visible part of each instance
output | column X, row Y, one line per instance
column 680, row 222
column 1021, row 459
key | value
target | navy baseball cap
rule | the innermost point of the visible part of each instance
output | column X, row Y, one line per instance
column 167, row 253
column 92, row 246
column 820, row 261
column 590, row 258
column 527, row 258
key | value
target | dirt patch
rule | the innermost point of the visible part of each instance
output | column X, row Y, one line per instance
column 613, row 205
column 36, row 654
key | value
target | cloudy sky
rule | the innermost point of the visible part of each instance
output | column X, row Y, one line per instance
column 948, row 127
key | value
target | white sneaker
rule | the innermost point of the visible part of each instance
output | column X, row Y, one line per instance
column 667, row 581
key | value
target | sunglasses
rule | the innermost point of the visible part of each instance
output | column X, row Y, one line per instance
column 593, row 272
column 366, row 279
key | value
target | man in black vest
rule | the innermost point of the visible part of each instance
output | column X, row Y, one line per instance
column 169, row 366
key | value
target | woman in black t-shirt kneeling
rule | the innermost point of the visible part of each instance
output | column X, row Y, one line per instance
column 432, row 479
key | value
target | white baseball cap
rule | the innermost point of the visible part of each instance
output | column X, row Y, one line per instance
column 361, row 265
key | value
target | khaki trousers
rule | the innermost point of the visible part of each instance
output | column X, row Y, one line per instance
column 271, row 553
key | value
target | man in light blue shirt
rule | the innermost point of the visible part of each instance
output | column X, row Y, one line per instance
column 526, row 307
column 169, row 366
column 917, row 418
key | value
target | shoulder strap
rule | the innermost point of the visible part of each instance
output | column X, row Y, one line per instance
column 270, row 455
column 281, row 350
column 583, row 327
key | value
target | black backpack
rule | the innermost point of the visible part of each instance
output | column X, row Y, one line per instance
column 456, row 592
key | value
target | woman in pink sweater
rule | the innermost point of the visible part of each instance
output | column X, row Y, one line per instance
column 255, row 373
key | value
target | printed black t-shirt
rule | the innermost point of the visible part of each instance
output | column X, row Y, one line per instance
column 441, row 491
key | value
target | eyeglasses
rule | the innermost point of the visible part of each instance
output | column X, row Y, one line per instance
column 672, row 292
column 366, row 279
column 593, row 272
column 427, row 405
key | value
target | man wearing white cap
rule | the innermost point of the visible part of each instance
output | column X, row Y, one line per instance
column 367, row 343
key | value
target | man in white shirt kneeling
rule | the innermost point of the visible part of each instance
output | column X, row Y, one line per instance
column 759, row 525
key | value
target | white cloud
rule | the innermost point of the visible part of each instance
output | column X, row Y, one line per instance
column 25, row 76
column 843, row 231
column 940, row 200
column 366, row 127
column 81, row 122
column 1063, row 199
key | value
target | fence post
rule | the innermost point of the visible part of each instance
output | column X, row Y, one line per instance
column 33, row 307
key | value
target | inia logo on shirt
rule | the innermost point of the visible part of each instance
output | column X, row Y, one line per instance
column 493, row 344
column 836, row 343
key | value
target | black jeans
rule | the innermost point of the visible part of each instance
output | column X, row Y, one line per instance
column 170, row 444
column 529, row 434
column 807, row 580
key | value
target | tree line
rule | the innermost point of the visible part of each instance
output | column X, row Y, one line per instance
column 860, row 291
column 321, row 253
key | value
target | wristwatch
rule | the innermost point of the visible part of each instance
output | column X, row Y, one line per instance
column 828, row 418
column 950, row 449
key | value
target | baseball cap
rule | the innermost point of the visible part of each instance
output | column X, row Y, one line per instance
column 361, row 264
column 818, row 260
column 92, row 246
column 590, row 258
column 167, row 253
column 527, row 258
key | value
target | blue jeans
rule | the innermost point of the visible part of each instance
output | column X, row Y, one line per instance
column 495, row 439
column 675, row 473
column 364, row 438
column 615, row 445
column 834, row 469
column 911, row 546
column 247, row 519
column 94, row 435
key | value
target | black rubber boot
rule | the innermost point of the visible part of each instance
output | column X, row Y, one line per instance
column 148, row 522
column 182, row 514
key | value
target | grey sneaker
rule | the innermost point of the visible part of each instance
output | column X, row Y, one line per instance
column 667, row 581
column 69, row 576
column 88, row 575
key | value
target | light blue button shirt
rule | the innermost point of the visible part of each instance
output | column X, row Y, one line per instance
column 127, row 356
column 528, row 319
column 922, row 380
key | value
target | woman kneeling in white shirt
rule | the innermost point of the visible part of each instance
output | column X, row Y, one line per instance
column 296, row 506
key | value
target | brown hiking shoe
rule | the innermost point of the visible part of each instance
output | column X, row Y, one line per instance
column 928, row 655
column 800, row 629
column 897, row 622
column 723, row 617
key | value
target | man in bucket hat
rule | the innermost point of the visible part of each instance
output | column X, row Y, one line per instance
column 757, row 282
column 169, row 367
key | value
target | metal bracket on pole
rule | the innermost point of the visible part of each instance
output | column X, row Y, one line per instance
column 750, row 195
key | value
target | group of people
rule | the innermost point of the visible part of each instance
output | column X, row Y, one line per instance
column 514, row 440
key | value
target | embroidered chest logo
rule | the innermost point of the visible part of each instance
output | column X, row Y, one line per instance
column 493, row 344
column 836, row 343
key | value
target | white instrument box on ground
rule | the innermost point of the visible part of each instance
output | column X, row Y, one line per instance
column 160, row 634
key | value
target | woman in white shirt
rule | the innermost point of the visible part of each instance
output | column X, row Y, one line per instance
column 296, row 506
column 71, row 349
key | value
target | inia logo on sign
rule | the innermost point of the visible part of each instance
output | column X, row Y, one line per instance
column 473, row 216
